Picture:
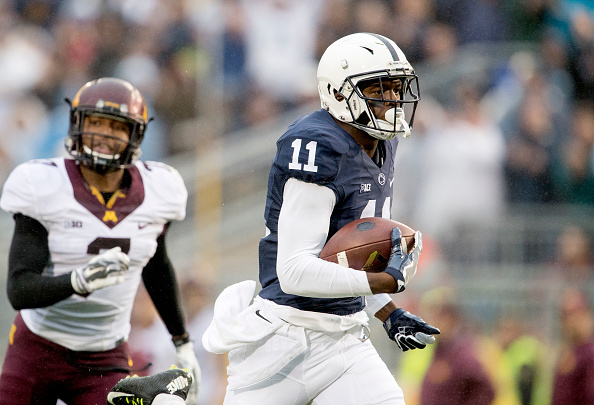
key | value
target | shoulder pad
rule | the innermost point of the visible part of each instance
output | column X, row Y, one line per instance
column 311, row 156
column 167, row 186
column 30, row 185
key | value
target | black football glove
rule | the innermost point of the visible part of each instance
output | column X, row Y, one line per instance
column 402, row 265
column 409, row 331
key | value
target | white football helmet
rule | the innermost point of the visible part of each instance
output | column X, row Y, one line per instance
column 362, row 58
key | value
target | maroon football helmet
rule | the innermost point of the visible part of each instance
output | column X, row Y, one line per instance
column 112, row 98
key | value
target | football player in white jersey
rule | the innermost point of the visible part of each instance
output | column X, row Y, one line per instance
column 304, row 338
column 88, row 230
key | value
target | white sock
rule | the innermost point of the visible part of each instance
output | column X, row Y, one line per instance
column 168, row 399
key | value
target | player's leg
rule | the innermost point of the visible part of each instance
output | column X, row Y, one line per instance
column 28, row 369
column 168, row 399
column 281, row 388
column 304, row 377
column 366, row 380
column 86, row 392
column 91, row 375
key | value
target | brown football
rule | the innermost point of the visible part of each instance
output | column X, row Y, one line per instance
column 365, row 244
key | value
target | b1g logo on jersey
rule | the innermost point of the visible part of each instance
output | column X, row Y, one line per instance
column 365, row 188
column 73, row 224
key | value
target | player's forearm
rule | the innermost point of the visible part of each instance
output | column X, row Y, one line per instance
column 381, row 283
column 161, row 284
column 30, row 290
column 310, row 276
column 29, row 254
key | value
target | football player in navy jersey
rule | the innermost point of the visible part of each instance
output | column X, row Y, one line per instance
column 304, row 338
column 88, row 230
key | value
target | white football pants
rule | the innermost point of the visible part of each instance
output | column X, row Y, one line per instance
column 336, row 368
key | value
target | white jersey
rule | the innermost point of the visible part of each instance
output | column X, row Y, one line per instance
column 79, row 226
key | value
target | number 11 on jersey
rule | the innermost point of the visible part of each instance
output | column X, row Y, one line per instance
column 310, row 166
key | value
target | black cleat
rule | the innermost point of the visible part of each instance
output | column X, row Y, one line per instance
column 143, row 390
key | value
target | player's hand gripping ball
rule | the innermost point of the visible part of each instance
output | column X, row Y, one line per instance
column 366, row 244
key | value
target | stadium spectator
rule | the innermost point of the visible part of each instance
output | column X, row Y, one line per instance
column 526, row 358
column 573, row 256
column 461, row 182
column 574, row 373
column 574, row 171
column 455, row 375
column 532, row 146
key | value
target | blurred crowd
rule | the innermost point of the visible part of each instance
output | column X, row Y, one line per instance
column 522, row 335
column 512, row 364
column 209, row 67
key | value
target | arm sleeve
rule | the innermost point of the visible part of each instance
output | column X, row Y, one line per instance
column 161, row 284
column 29, row 254
column 303, row 226
column 376, row 302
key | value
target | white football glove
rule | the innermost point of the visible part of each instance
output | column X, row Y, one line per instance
column 101, row 271
column 186, row 358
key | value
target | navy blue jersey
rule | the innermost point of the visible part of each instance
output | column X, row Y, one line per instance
column 316, row 150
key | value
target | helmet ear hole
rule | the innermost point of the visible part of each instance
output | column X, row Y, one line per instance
column 338, row 96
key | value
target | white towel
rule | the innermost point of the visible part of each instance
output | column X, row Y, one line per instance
column 235, row 322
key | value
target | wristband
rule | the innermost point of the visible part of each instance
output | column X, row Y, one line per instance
column 180, row 340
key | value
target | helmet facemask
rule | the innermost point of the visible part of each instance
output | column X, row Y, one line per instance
column 82, row 144
column 363, row 108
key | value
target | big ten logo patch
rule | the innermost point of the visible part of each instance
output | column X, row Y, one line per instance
column 365, row 188
column 73, row 224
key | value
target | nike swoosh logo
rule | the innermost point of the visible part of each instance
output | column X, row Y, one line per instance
column 143, row 225
column 258, row 314
column 114, row 395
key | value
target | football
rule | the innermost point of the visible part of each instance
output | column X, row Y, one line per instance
column 365, row 244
